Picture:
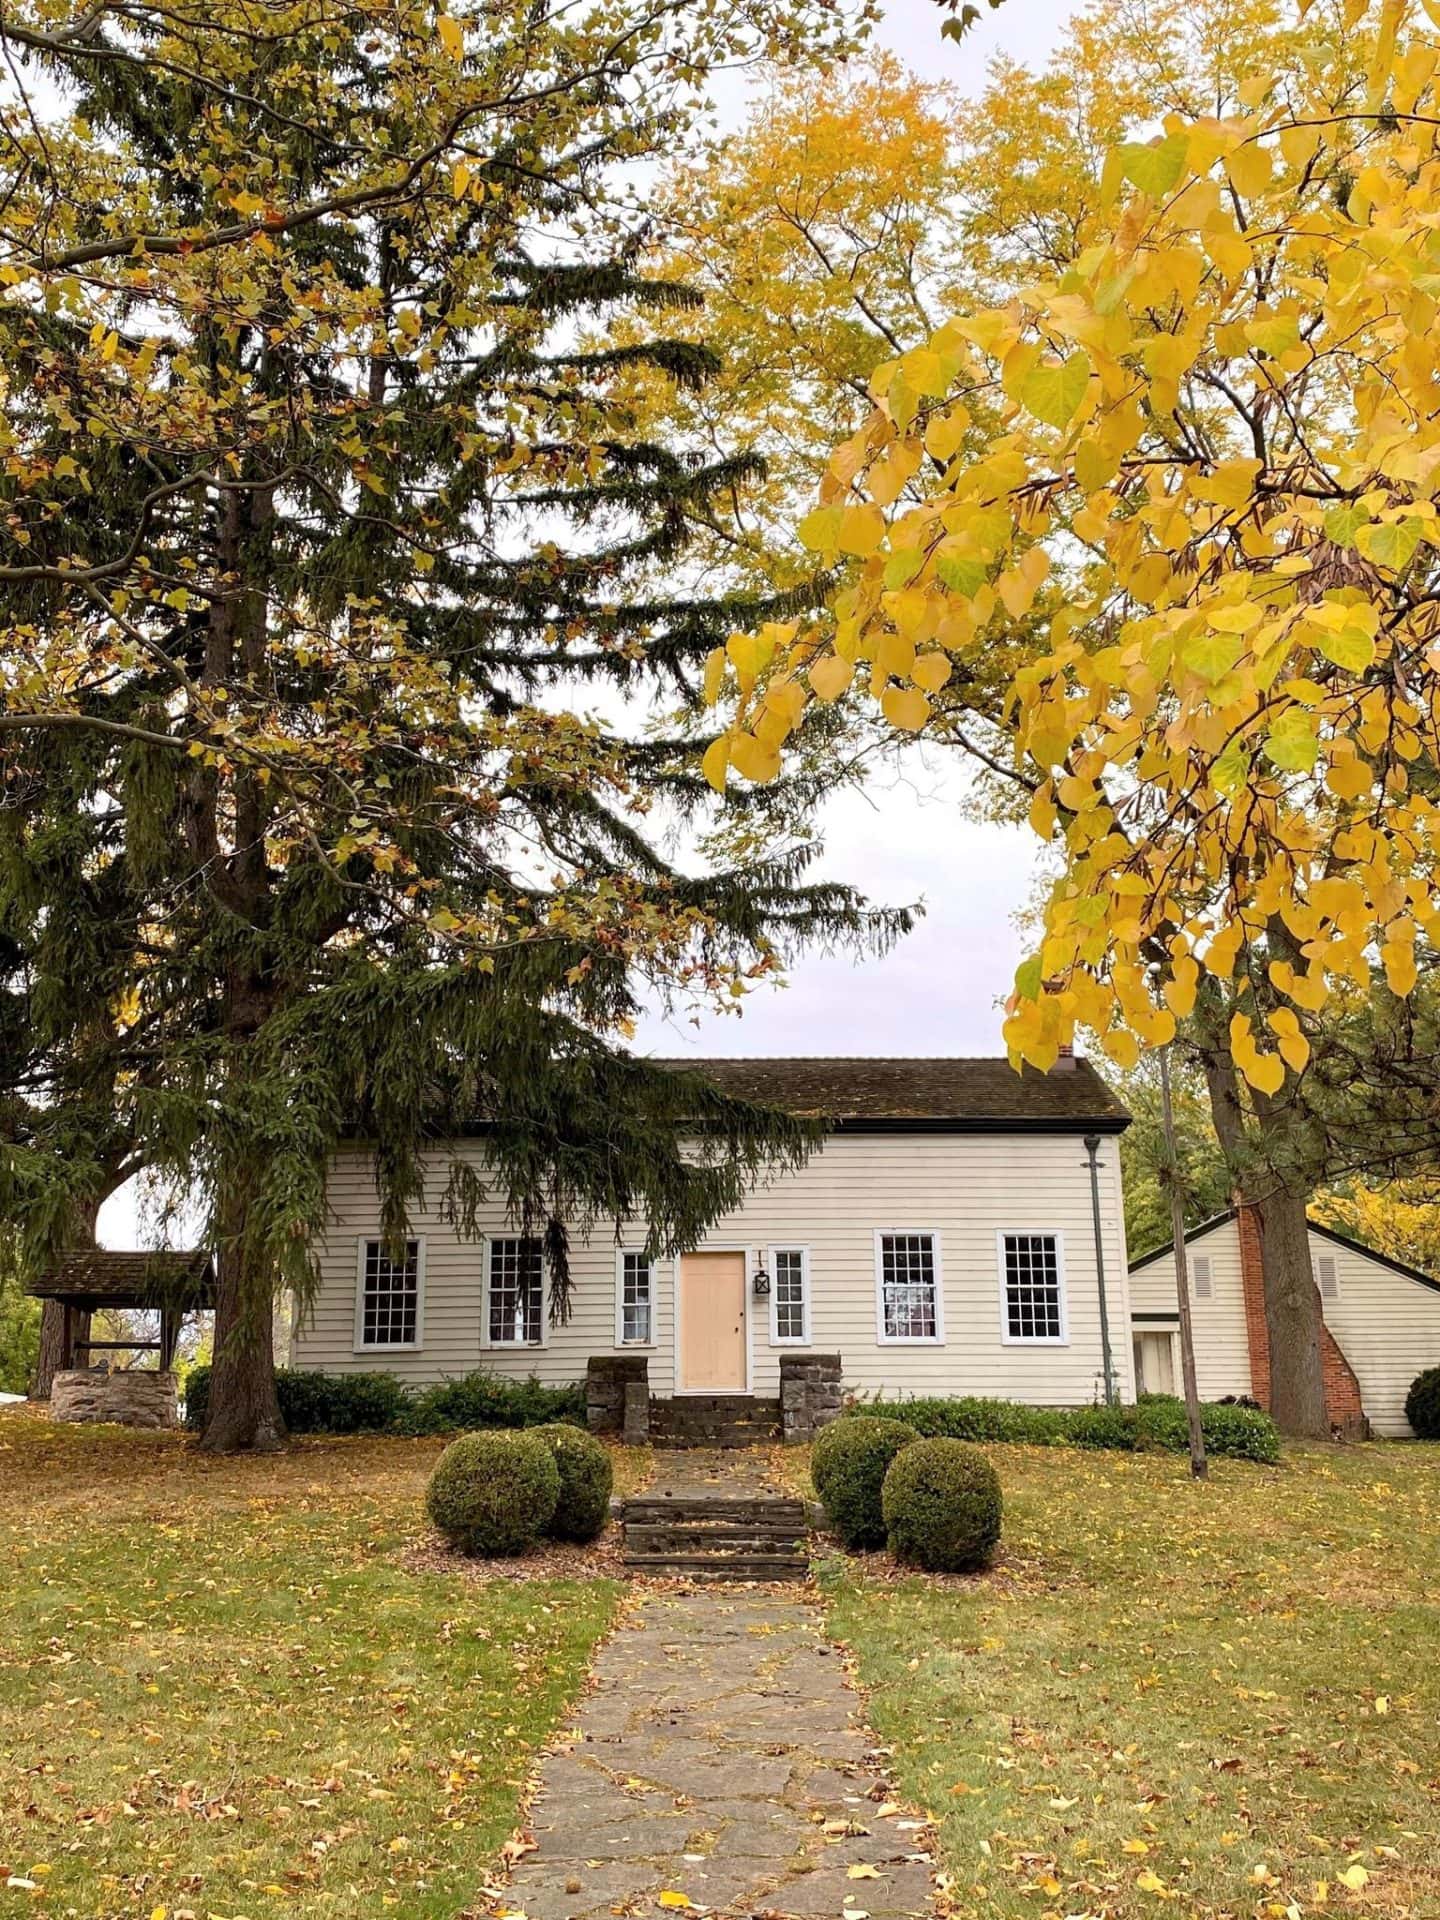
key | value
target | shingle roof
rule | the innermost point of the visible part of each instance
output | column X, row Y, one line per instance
column 96, row 1275
column 865, row 1094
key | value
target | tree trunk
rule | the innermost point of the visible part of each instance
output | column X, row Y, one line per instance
column 1293, row 1316
column 243, row 1412
column 1292, row 1302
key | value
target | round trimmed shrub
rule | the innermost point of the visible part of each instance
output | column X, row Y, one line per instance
column 848, row 1465
column 942, row 1506
column 586, row 1481
column 494, row 1493
column 1422, row 1405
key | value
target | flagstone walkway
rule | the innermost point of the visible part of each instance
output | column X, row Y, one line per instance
column 720, row 1763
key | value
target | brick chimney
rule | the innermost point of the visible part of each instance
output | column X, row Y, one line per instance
column 1064, row 1061
column 1343, row 1406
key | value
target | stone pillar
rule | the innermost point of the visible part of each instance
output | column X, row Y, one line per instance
column 131, row 1399
column 810, row 1394
column 608, row 1377
column 635, row 1423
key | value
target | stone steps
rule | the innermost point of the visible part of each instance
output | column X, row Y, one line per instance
column 714, row 1420
column 698, row 1537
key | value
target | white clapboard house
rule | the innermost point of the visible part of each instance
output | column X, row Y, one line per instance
column 949, row 1237
column 1382, row 1322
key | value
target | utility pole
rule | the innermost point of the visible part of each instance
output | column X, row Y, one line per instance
column 1199, row 1467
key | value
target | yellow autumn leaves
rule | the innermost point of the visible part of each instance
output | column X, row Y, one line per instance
column 1193, row 478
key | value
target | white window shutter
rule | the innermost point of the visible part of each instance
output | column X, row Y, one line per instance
column 1202, row 1276
column 1326, row 1276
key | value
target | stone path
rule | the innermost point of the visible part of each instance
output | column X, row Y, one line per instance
column 720, row 1756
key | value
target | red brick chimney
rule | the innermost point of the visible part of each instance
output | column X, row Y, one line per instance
column 1343, row 1406
column 1064, row 1061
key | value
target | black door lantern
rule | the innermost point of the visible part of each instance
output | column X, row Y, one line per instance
column 760, row 1282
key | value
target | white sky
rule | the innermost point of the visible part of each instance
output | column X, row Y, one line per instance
column 938, row 991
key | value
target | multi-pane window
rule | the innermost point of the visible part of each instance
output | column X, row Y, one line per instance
column 789, row 1296
column 517, row 1293
column 637, row 1299
column 909, row 1292
column 390, row 1296
column 1033, row 1306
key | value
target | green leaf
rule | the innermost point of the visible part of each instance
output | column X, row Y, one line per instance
column 1292, row 745
column 1393, row 542
column 961, row 572
column 1343, row 523
column 1155, row 169
column 1028, row 978
column 1351, row 648
column 902, row 566
column 1053, row 393
column 1212, row 655
column 1231, row 770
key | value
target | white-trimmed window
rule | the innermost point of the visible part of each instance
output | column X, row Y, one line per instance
column 634, row 1299
column 515, row 1292
column 907, row 1281
column 388, row 1295
column 1202, row 1277
column 1032, row 1289
column 1327, row 1276
column 790, row 1296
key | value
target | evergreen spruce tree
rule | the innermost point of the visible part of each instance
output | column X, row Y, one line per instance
column 324, row 534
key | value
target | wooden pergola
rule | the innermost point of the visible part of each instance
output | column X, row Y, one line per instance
column 93, row 1279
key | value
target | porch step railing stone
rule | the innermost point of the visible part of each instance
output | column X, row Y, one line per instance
column 711, row 1537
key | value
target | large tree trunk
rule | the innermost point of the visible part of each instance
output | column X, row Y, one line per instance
column 1292, row 1301
column 243, row 1413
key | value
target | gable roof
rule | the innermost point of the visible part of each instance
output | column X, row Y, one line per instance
column 866, row 1094
column 1326, row 1233
column 96, row 1276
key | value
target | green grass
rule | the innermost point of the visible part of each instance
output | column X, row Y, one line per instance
column 1175, row 1700
column 224, row 1694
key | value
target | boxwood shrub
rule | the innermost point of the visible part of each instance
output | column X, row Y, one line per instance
column 942, row 1506
column 586, row 1481
column 1422, row 1405
column 848, row 1465
column 1232, row 1429
column 494, row 1493
column 379, row 1403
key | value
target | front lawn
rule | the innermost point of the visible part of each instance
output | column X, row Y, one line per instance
column 1171, row 1700
column 223, row 1695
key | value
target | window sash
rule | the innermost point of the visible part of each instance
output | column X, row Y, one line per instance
column 909, row 1287
column 791, row 1295
column 637, row 1300
column 1034, row 1296
column 389, row 1296
column 516, row 1303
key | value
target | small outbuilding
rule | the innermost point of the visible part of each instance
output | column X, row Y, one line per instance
column 92, row 1280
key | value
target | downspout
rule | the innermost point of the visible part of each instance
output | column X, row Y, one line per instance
column 1092, row 1147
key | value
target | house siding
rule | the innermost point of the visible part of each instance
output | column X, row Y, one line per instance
column 1386, row 1325
column 966, row 1189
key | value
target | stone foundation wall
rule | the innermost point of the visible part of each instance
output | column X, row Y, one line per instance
column 617, row 1395
column 133, row 1399
column 810, row 1394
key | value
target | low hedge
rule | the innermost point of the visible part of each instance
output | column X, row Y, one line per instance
column 494, row 1493
column 1422, row 1405
column 848, row 1464
column 1157, row 1423
column 317, row 1402
column 587, row 1480
column 313, row 1402
column 942, row 1506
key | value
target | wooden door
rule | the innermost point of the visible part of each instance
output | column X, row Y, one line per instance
column 712, row 1322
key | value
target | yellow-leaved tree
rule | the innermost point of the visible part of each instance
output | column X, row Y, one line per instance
column 1194, row 456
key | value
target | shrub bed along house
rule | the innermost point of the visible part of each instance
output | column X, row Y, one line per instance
column 848, row 1464
column 494, row 1493
column 1422, row 1404
column 942, row 1506
column 586, row 1480
column 379, row 1403
column 1157, row 1422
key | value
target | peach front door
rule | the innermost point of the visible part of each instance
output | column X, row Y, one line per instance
column 712, row 1322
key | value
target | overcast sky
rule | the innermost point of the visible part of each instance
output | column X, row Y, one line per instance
column 905, row 841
